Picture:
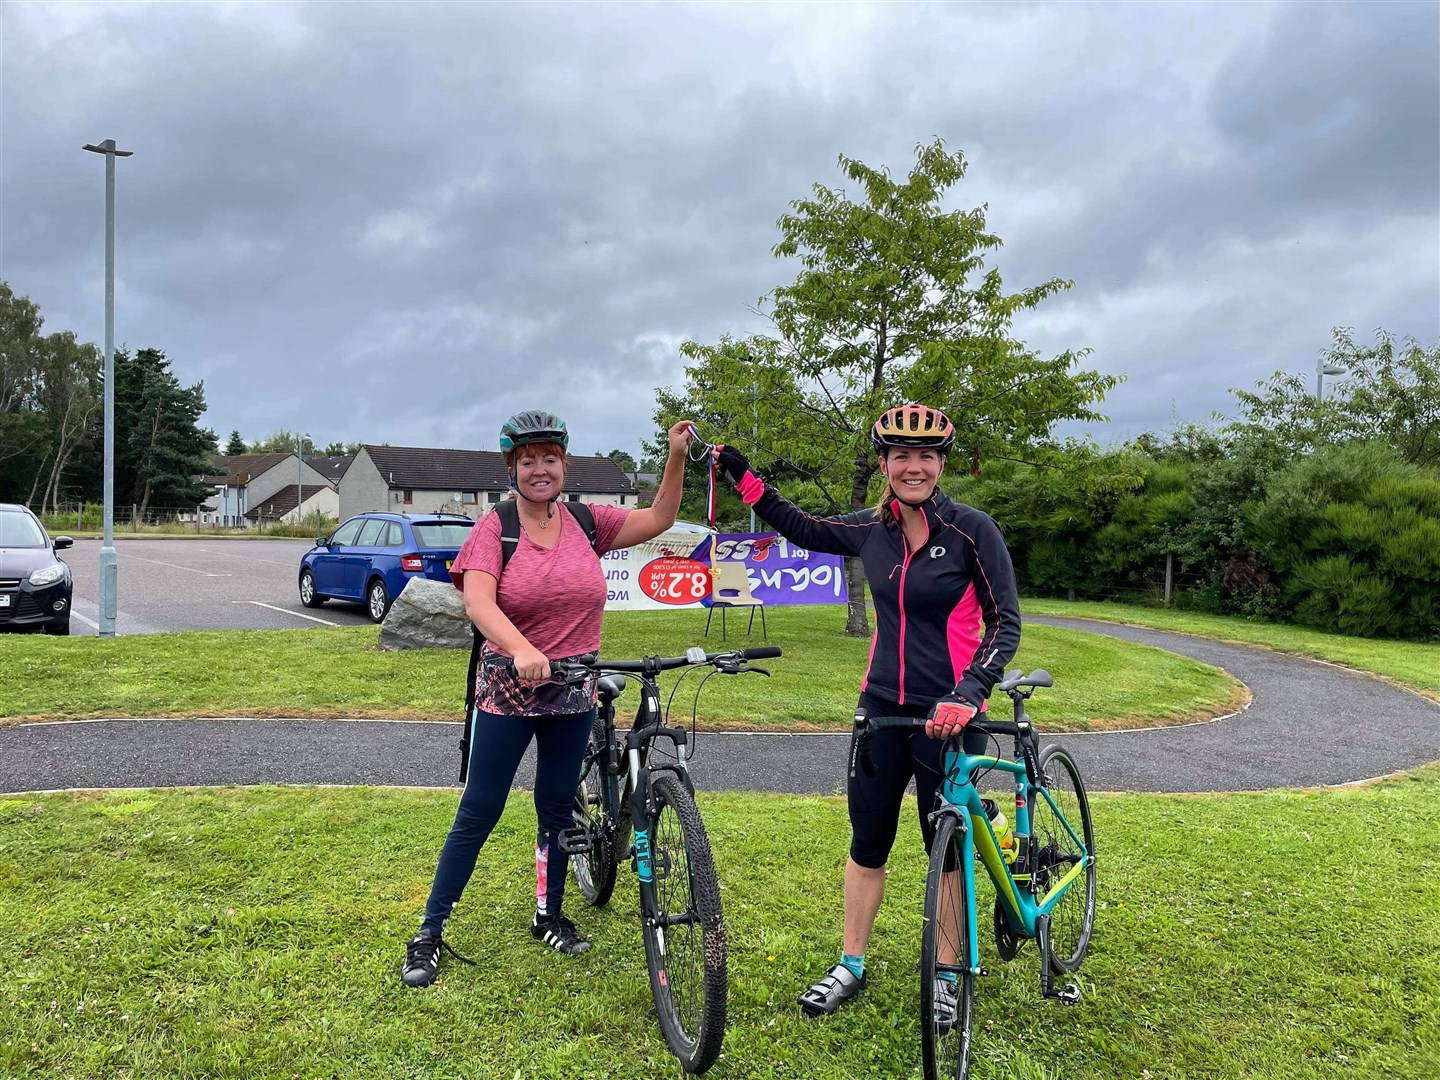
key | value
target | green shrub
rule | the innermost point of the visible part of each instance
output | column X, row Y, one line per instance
column 1355, row 534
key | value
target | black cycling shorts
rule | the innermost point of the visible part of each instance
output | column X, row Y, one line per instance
column 896, row 755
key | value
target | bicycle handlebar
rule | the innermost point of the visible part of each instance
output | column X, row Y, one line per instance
column 582, row 667
column 651, row 665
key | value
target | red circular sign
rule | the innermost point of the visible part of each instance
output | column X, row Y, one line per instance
column 675, row 580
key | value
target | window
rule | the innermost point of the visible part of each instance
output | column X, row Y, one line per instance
column 407, row 496
column 19, row 529
column 622, row 500
column 467, row 498
column 345, row 534
column 493, row 497
column 394, row 536
column 370, row 534
column 436, row 534
column 574, row 498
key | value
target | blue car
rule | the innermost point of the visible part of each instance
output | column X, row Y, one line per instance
column 370, row 557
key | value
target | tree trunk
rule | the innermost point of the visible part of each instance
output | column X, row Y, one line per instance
column 857, row 619
column 39, row 470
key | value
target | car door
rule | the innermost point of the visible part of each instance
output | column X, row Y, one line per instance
column 327, row 562
column 355, row 566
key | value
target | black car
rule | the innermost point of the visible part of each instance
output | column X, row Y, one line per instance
column 35, row 585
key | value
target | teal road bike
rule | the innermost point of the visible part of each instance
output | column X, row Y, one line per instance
column 1046, row 895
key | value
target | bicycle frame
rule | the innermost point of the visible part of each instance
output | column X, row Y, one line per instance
column 959, row 797
column 634, row 778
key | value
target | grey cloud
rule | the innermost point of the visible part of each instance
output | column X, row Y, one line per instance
column 402, row 223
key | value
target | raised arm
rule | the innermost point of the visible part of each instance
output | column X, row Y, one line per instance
column 840, row 535
column 642, row 525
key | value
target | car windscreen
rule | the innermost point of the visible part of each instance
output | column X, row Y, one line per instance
column 19, row 530
column 441, row 534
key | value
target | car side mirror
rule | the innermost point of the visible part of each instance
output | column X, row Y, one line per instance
column 322, row 541
column 62, row 542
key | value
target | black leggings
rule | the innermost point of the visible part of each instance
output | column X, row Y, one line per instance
column 496, row 747
column 897, row 755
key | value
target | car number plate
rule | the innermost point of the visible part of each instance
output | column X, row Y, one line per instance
column 4, row 599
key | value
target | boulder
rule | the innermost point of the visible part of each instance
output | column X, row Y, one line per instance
column 427, row 615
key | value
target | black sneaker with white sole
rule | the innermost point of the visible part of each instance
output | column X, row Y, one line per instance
column 559, row 933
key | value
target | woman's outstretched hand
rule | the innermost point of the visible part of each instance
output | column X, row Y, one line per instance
column 682, row 433
column 732, row 463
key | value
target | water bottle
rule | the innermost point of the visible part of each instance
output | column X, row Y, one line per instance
column 1004, row 834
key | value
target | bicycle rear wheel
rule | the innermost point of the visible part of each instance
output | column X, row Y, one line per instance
column 945, row 950
column 594, row 870
column 1057, row 854
column 683, row 927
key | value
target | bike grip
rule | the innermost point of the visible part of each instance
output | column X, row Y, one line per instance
column 764, row 652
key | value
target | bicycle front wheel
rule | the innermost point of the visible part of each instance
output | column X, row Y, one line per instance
column 594, row 870
column 946, row 1006
column 1057, row 855
column 684, row 929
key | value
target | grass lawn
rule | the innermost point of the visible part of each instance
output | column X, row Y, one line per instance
column 257, row 932
column 1412, row 664
column 1100, row 682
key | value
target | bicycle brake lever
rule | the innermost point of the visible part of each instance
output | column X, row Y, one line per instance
column 757, row 670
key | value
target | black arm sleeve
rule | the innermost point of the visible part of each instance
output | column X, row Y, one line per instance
column 841, row 535
column 1000, row 607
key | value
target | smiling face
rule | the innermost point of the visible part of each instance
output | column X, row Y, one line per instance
column 912, row 472
column 540, row 471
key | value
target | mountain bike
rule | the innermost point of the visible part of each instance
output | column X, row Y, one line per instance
column 1047, row 895
column 632, row 783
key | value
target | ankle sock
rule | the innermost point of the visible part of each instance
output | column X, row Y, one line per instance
column 948, row 976
column 856, row 964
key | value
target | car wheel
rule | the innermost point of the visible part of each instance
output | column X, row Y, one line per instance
column 377, row 600
column 308, row 596
column 59, row 629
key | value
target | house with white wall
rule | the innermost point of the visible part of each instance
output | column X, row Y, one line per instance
column 422, row 480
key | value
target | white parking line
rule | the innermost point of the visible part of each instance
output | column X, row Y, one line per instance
column 88, row 622
column 250, row 558
column 175, row 566
column 286, row 611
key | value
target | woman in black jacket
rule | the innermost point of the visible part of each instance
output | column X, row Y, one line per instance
column 947, row 621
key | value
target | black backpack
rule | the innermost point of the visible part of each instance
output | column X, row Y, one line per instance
column 509, row 540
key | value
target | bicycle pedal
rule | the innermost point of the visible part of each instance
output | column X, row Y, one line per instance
column 575, row 841
column 1069, row 994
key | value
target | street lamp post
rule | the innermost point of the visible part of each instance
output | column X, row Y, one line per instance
column 299, row 483
column 1321, row 370
column 108, row 569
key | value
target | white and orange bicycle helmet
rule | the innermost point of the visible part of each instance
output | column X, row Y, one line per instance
column 913, row 424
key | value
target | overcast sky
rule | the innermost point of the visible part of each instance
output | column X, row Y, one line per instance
column 401, row 223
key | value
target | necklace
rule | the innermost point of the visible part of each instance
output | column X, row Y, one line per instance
column 545, row 523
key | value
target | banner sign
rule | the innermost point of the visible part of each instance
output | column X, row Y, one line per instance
column 673, row 571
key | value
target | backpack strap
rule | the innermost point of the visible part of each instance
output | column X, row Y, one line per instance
column 509, row 540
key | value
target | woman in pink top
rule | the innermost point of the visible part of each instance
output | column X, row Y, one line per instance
column 546, row 604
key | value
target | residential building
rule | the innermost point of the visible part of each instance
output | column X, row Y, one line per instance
column 421, row 480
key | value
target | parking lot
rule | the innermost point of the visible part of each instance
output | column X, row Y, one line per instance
column 201, row 584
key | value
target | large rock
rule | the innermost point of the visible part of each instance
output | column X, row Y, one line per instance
column 427, row 615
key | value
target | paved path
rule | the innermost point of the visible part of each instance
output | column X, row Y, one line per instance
column 1310, row 724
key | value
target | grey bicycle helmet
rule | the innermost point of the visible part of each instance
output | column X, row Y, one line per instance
column 533, row 426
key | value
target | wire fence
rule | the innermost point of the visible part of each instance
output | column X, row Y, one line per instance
column 175, row 520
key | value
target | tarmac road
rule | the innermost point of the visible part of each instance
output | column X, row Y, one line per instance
column 1310, row 724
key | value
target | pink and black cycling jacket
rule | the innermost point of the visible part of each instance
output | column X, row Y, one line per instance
column 947, row 616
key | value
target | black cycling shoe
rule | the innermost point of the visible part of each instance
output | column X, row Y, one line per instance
column 559, row 933
column 422, row 959
column 839, row 985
